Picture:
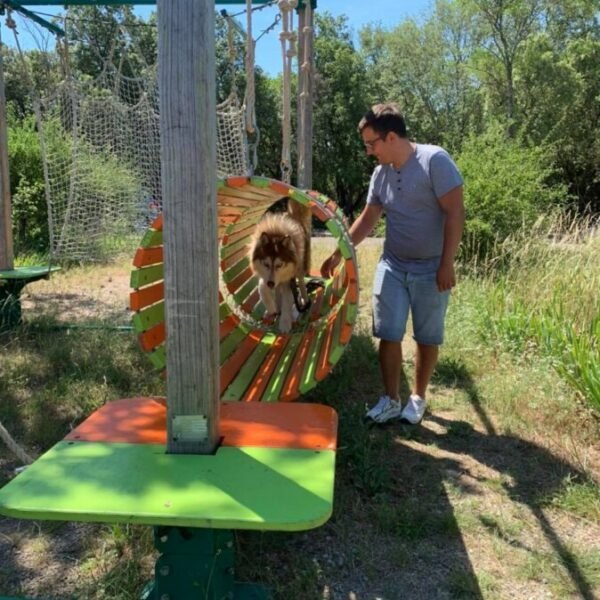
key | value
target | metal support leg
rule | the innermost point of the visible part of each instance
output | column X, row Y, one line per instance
column 10, row 303
column 197, row 564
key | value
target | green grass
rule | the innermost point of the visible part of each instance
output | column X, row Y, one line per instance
column 496, row 492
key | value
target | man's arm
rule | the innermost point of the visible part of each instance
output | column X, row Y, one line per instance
column 454, row 209
column 361, row 228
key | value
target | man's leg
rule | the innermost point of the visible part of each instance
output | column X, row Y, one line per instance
column 428, row 307
column 390, row 361
column 426, row 359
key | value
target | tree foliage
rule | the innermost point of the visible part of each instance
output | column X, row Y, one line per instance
column 341, row 98
column 509, row 87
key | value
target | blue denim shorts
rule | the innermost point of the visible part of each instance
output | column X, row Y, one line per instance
column 395, row 293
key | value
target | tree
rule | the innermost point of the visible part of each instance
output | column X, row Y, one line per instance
column 341, row 98
column 502, row 29
column 98, row 34
column 35, row 73
column 508, row 185
column 425, row 67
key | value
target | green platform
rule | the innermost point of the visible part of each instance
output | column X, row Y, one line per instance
column 274, row 470
column 11, row 284
column 238, row 488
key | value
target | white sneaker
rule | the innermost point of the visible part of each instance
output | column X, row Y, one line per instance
column 385, row 410
column 414, row 410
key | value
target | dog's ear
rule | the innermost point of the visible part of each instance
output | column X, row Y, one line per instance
column 264, row 238
column 287, row 242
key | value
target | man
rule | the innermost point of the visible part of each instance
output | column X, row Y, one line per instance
column 420, row 190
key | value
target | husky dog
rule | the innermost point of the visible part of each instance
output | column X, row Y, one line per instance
column 279, row 255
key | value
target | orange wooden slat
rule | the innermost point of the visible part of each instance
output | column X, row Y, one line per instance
column 235, row 284
column 233, row 237
column 227, row 325
column 280, row 188
column 229, row 211
column 227, row 220
column 346, row 330
column 226, row 199
column 263, row 376
column 290, row 389
column 143, row 297
column 153, row 337
column 236, row 182
column 236, row 361
column 320, row 212
column 323, row 364
column 157, row 224
column 148, row 256
column 251, row 302
column 317, row 303
column 351, row 282
column 234, row 258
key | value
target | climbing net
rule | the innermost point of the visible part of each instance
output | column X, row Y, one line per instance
column 100, row 140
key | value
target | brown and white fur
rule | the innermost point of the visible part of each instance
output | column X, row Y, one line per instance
column 279, row 253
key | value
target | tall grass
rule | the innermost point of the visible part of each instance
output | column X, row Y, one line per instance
column 541, row 298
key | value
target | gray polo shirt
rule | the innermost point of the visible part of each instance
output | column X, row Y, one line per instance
column 414, row 230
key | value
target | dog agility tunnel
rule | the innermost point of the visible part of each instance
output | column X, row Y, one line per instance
column 257, row 362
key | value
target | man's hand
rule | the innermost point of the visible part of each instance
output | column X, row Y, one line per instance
column 446, row 278
column 329, row 265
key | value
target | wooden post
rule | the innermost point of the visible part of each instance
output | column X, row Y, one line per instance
column 6, row 241
column 186, row 54
column 305, row 94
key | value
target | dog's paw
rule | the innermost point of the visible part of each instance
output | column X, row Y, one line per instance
column 285, row 324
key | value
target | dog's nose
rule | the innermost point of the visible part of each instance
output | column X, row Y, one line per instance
column 271, row 284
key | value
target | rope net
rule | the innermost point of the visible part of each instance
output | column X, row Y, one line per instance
column 101, row 141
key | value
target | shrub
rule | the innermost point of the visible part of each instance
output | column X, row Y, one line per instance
column 507, row 186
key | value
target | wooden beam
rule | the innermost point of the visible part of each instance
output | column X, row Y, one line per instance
column 187, row 86
column 6, row 241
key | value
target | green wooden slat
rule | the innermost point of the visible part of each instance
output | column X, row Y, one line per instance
column 337, row 349
column 273, row 390
column 334, row 227
column 250, row 216
column 231, row 342
column 244, row 378
column 236, row 488
column 351, row 313
column 152, row 238
column 229, row 249
column 259, row 311
column 242, row 294
column 261, row 182
column 237, row 268
column 146, row 275
column 308, row 380
column 300, row 197
column 325, row 308
column 153, row 315
column 224, row 311
column 345, row 246
column 158, row 357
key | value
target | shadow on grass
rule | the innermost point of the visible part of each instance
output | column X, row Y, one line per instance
column 535, row 474
column 390, row 499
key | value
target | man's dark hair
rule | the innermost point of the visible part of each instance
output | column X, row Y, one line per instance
column 383, row 118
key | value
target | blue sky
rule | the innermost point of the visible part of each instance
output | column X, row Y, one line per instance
column 268, row 53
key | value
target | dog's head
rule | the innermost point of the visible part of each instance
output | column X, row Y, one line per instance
column 274, row 258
